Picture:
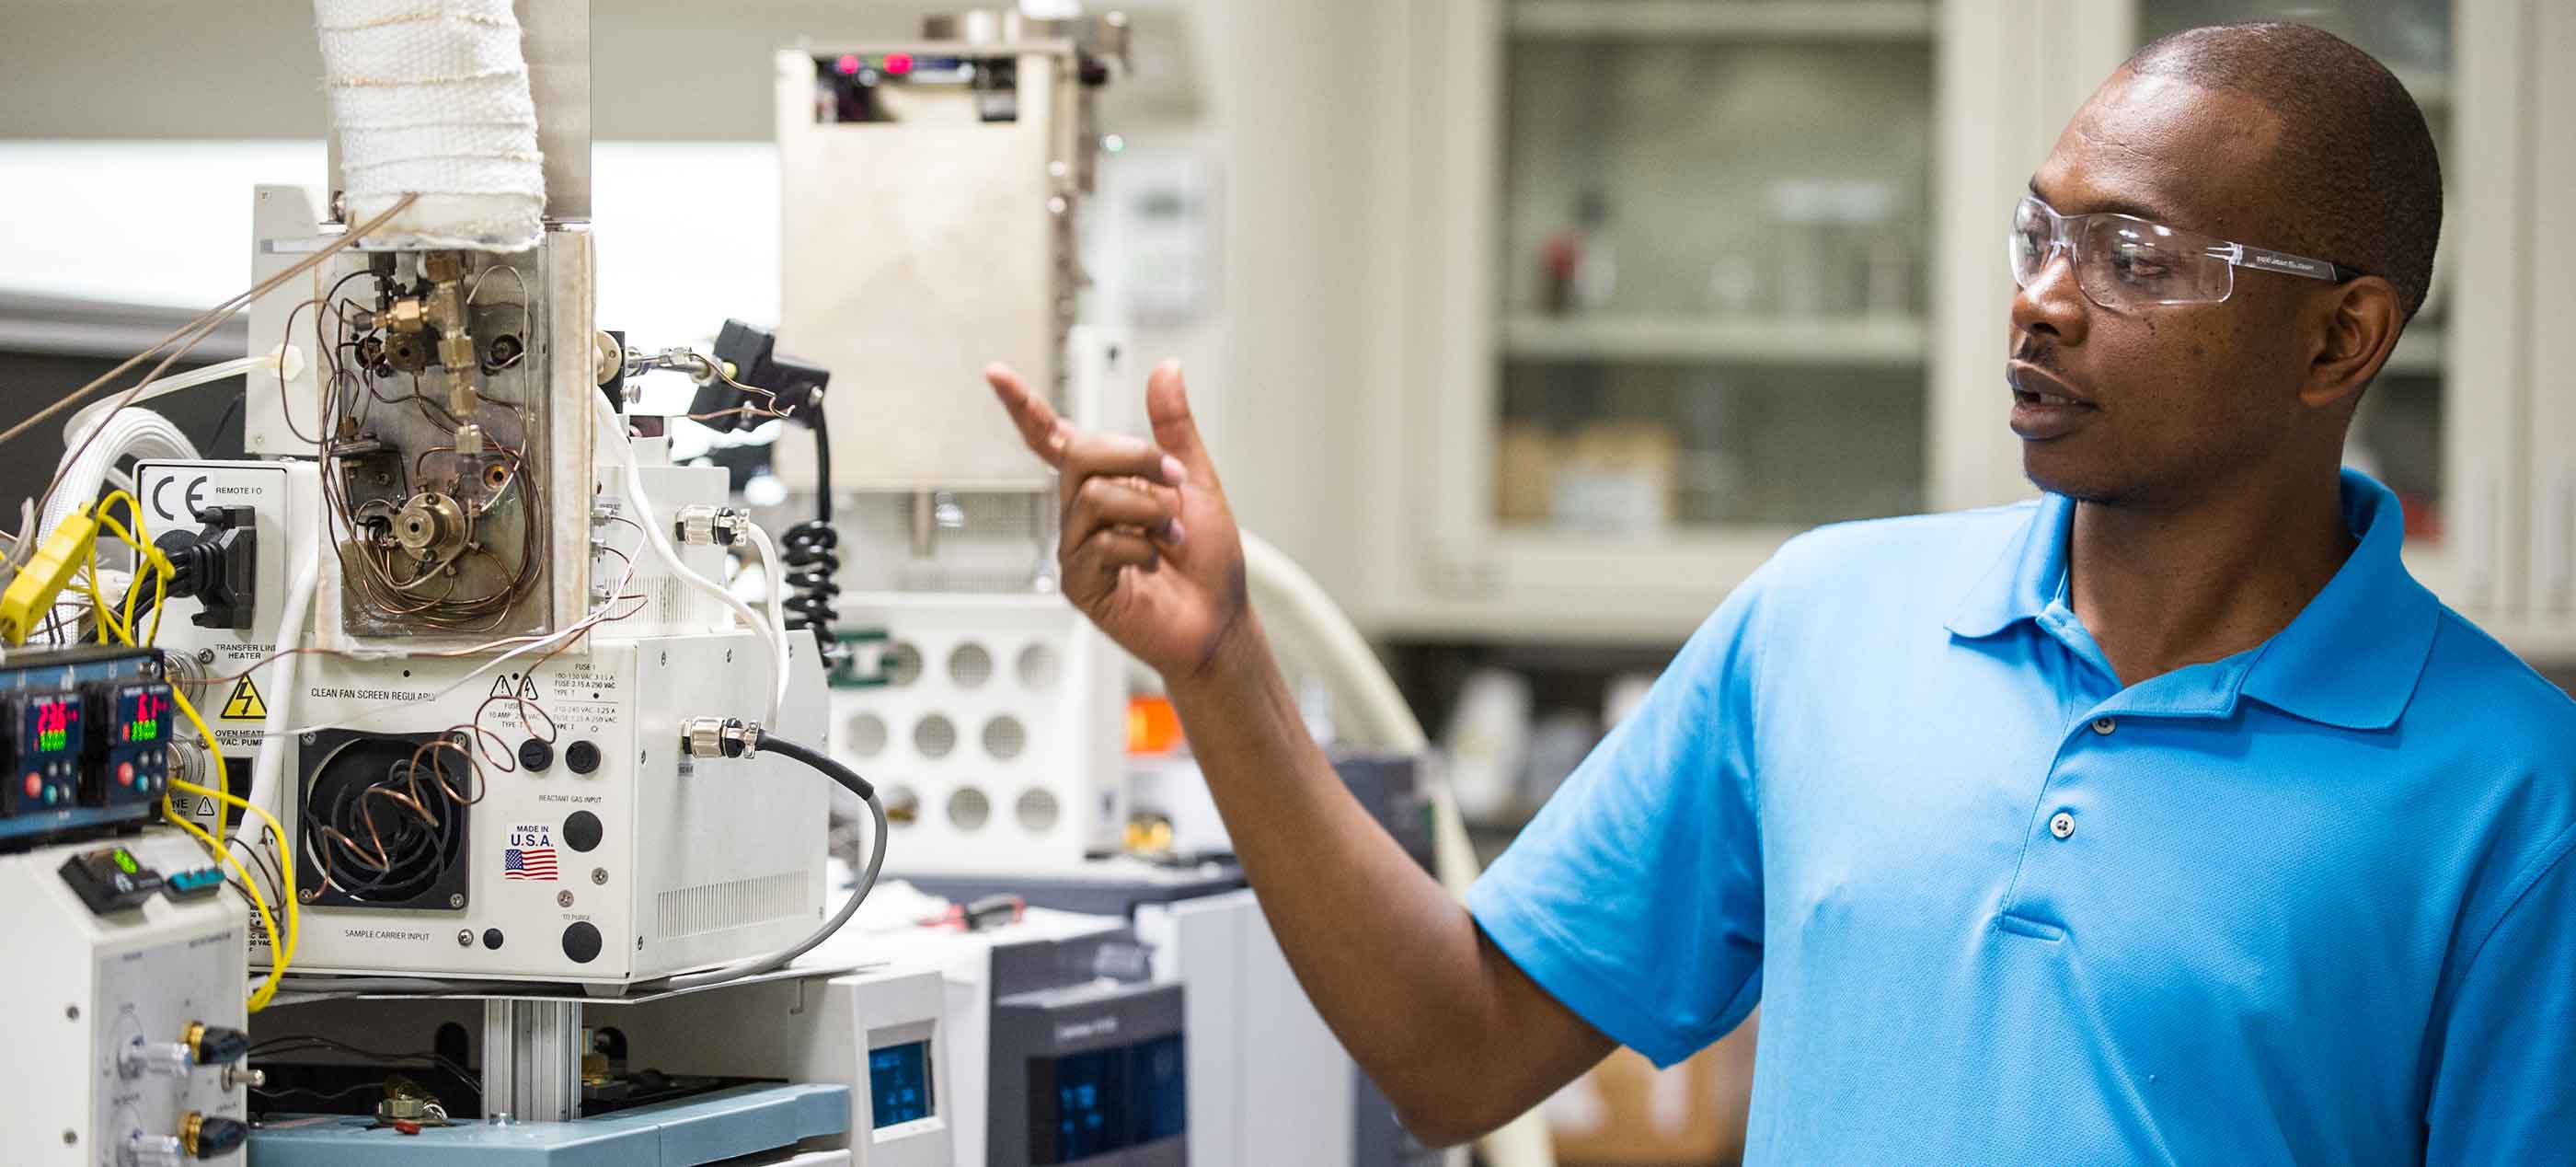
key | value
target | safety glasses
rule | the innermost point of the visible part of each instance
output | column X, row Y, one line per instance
column 2123, row 262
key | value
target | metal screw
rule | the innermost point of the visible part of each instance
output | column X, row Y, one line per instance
column 71, row 1012
column 1057, row 169
column 563, row 899
column 465, row 938
column 308, row 895
column 309, row 739
column 1056, row 205
column 70, row 1137
column 457, row 900
column 597, row 875
column 205, row 656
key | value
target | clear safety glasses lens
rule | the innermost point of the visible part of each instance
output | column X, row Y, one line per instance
column 2120, row 261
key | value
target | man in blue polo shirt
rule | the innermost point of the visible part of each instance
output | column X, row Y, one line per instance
column 2165, row 819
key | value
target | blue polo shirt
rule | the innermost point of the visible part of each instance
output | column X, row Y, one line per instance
column 2311, row 903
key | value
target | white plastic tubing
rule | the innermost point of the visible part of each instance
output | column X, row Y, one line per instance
column 1295, row 607
column 431, row 97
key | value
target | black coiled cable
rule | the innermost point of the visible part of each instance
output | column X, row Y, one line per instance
column 810, row 552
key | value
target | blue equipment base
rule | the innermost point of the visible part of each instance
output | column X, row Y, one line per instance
column 689, row 1132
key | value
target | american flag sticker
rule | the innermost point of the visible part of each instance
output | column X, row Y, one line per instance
column 530, row 855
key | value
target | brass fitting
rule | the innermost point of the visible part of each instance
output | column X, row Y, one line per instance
column 446, row 273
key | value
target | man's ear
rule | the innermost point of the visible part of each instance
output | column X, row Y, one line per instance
column 2356, row 329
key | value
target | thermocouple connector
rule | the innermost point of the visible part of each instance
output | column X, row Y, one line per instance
column 719, row 737
column 700, row 523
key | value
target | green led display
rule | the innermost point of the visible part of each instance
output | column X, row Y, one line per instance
column 125, row 862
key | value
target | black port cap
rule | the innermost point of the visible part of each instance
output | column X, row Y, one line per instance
column 582, row 756
column 492, row 938
column 582, row 831
column 581, row 942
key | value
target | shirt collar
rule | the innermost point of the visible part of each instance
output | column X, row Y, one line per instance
column 2352, row 656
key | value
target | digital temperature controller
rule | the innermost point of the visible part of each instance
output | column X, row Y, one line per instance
column 47, row 729
column 133, row 742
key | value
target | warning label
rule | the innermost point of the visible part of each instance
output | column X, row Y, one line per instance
column 244, row 704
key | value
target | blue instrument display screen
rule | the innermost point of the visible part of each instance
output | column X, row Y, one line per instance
column 1092, row 1103
column 899, row 1083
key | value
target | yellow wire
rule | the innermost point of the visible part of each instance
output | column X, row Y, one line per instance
column 145, row 555
column 214, row 749
column 267, row 921
column 280, row 956
column 97, row 603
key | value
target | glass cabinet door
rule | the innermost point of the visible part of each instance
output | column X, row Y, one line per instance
column 1715, row 234
column 2398, row 436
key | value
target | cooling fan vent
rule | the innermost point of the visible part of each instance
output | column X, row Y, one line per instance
column 384, row 821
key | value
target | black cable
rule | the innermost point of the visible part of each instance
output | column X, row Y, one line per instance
column 822, row 763
column 809, row 551
column 318, row 1094
column 215, row 441
column 849, row 780
column 822, row 460
column 307, row 1043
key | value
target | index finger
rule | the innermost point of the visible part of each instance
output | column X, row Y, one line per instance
column 1039, row 426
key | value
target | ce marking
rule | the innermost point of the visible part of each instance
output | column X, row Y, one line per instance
column 194, row 496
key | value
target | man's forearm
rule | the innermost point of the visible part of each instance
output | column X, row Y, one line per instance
column 1394, row 964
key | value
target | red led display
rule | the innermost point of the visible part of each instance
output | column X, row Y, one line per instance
column 50, row 724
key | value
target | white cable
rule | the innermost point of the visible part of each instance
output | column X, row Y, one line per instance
column 772, row 645
column 268, row 762
column 287, row 356
column 127, row 433
column 777, row 584
column 547, row 641
column 1280, row 588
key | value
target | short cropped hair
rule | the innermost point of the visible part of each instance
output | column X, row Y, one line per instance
column 2355, row 159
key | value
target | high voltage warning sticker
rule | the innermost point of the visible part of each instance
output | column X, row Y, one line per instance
column 244, row 704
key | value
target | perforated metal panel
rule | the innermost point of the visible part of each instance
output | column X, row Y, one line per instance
column 997, row 736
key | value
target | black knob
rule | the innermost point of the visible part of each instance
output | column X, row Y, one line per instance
column 582, row 756
column 216, row 1045
column 207, row 1136
column 581, row 942
column 536, row 754
column 582, row 831
column 491, row 938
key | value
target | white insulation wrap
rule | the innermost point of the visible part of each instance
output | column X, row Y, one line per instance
column 431, row 97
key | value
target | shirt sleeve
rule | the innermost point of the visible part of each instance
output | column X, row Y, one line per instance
column 2504, row 1090
column 1635, row 896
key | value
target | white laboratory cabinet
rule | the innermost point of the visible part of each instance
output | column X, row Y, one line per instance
column 1682, row 278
